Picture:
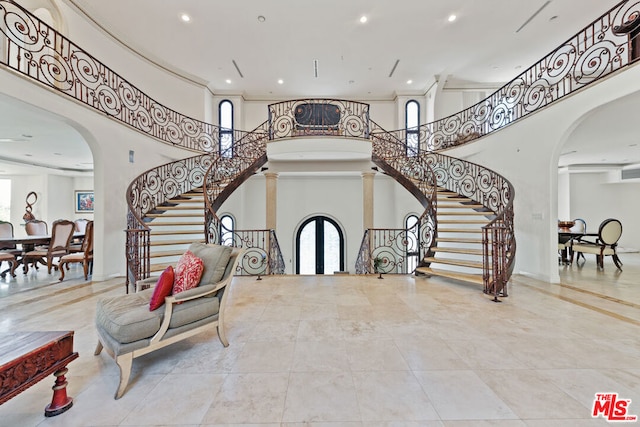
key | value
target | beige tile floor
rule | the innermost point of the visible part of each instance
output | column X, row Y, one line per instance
column 328, row 351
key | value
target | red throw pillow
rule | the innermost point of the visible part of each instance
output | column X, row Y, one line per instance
column 163, row 288
column 188, row 272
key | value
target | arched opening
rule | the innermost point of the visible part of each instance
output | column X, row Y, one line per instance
column 319, row 246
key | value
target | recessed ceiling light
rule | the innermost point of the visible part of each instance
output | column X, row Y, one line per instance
column 29, row 155
column 363, row 19
column 280, row 81
column 228, row 81
column 261, row 18
column 409, row 81
column 451, row 18
column 185, row 17
column 26, row 135
column 57, row 154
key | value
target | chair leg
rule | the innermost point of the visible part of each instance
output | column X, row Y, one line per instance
column 617, row 261
column 124, row 363
column 62, row 270
column 85, row 266
column 222, row 335
column 98, row 349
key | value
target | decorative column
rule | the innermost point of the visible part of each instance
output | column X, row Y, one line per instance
column 367, row 199
column 272, row 199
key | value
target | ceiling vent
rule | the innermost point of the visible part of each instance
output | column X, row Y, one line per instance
column 630, row 173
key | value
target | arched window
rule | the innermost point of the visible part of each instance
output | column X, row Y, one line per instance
column 225, row 120
column 412, row 126
column 412, row 228
column 319, row 246
column 227, row 227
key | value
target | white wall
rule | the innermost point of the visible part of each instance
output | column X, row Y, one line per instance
column 336, row 196
column 594, row 199
column 527, row 154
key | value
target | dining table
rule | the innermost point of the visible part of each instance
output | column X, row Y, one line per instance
column 566, row 236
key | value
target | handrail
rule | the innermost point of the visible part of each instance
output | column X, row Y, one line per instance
column 605, row 46
column 262, row 252
column 391, row 247
column 318, row 116
column 148, row 191
column 495, row 193
column 37, row 51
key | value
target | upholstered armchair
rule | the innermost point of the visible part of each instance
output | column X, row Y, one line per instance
column 605, row 244
column 132, row 325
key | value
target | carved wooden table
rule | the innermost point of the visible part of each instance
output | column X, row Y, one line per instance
column 28, row 357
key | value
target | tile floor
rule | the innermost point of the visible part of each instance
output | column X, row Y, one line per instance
column 329, row 351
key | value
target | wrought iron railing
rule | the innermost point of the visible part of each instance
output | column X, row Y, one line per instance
column 393, row 251
column 605, row 46
column 262, row 256
column 496, row 194
column 309, row 117
column 34, row 49
column 145, row 193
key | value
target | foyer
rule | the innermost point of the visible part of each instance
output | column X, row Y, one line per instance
column 357, row 351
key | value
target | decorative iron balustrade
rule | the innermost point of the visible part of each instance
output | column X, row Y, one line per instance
column 309, row 117
column 263, row 255
column 605, row 46
column 398, row 251
column 495, row 193
column 34, row 49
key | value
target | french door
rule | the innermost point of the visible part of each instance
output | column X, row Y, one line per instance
column 319, row 247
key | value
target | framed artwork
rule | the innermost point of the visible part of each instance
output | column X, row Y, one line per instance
column 84, row 201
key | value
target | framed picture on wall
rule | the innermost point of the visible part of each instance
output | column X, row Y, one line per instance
column 84, row 201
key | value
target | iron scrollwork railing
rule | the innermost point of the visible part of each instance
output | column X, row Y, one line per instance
column 34, row 49
column 603, row 47
column 496, row 194
column 262, row 255
column 308, row 117
column 391, row 246
column 394, row 249
column 148, row 191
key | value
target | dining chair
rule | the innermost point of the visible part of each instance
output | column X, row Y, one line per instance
column 61, row 234
column 13, row 263
column 85, row 257
column 81, row 227
column 6, row 231
column 605, row 244
column 36, row 227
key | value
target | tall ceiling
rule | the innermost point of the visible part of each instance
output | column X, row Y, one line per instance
column 321, row 49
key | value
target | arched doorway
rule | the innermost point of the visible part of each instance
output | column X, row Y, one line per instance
column 319, row 246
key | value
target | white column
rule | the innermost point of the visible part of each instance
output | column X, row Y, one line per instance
column 367, row 199
column 272, row 199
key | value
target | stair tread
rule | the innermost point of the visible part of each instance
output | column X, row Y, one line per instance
column 460, row 230
column 161, row 254
column 465, row 277
column 458, row 262
column 174, row 215
column 466, row 212
column 457, row 240
column 179, row 207
column 466, row 251
column 459, row 206
column 174, row 223
column 175, row 242
column 176, row 232
column 463, row 221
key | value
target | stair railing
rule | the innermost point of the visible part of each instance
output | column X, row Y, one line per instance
column 603, row 47
column 313, row 116
column 496, row 194
column 148, row 191
column 415, row 174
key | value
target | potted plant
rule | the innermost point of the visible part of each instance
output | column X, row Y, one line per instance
column 377, row 263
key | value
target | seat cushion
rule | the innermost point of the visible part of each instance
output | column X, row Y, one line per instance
column 214, row 258
column 127, row 317
column 188, row 272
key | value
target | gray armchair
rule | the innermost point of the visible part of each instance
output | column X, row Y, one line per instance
column 128, row 329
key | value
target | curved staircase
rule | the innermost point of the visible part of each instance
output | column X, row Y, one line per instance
column 458, row 250
column 174, row 226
